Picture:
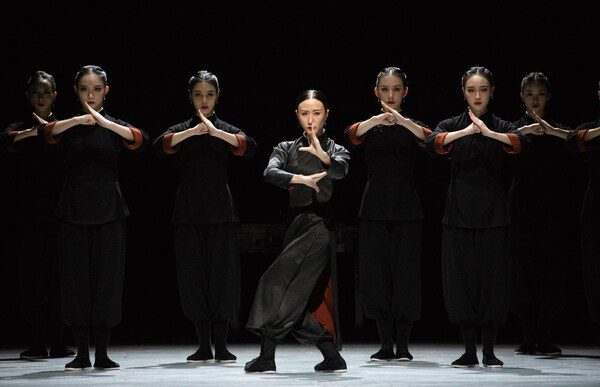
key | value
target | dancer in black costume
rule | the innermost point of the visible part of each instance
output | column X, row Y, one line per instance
column 390, row 216
column 475, row 266
column 297, row 292
column 205, row 219
column 37, row 177
column 538, row 227
column 91, row 211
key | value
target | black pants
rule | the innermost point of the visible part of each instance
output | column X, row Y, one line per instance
column 38, row 277
column 590, row 261
column 475, row 274
column 92, row 265
column 539, row 257
column 208, row 271
column 284, row 290
column 390, row 269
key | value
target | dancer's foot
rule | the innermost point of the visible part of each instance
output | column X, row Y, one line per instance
column 402, row 354
column 260, row 365
column 333, row 364
column 78, row 364
column 491, row 361
column 384, row 354
column 200, row 356
column 467, row 360
column 224, row 356
column 104, row 363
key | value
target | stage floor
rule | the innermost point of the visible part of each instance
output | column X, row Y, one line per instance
column 166, row 366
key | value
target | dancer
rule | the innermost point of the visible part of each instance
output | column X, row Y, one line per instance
column 474, row 239
column 538, row 234
column 390, row 216
column 38, row 184
column 585, row 140
column 205, row 219
column 91, row 212
column 297, row 292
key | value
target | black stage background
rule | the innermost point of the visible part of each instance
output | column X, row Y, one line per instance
column 264, row 54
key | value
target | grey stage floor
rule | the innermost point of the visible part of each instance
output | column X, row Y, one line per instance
column 166, row 366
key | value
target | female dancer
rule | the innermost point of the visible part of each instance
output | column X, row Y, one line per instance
column 296, row 293
column 205, row 220
column 38, row 184
column 537, row 234
column 585, row 140
column 474, row 253
column 390, row 216
column 91, row 213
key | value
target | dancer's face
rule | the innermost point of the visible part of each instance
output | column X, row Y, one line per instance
column 478, row 92
column 391, row 90
column 91, row 89
column 41, row 96
column 204, row 97
column 535, row 96
column 312, row 115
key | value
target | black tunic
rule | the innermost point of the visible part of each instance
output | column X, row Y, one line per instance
column 298, row 291
column 475, row 267
column 203, row 196
column 590, row 215
column 390, row 230
column 205, row 218
column 91, row 194
column 476, row 197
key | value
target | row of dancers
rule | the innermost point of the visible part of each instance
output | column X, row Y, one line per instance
column 83, row 214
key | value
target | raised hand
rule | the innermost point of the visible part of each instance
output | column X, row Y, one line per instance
column 544, row 127
column 208, row 126
column 97, row 118
column 472, row 129
column 535, row 129
column 386, row 119
column 398, row 118
column 310, row 180
column 39, row 119
column 483, row 129
column 315, row 145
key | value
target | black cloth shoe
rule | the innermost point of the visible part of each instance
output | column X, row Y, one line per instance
column 402, row 354
column 525, row 349
column 467, row 360
column 492, row 361
column 384, row 354
column 260, row 365
column 104, row 363
column 200, row 356
column 332, row 364
column 34, row 353
column 78, row 364
column 548, row 350
column 224, row 356
column 57, row 352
